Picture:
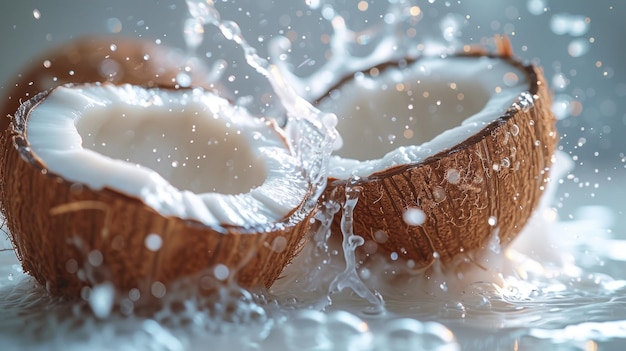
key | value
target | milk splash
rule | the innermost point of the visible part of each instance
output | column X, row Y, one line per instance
column 302, row 114
column 354, row 50
column 313, row 155
column 349, row 278
column 490, row 265
column 312, row 132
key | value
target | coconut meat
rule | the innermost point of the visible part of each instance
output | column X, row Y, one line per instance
column 185, row 153
column 404, row 115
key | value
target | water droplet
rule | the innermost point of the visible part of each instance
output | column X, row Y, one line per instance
column 101, row 299
column 564, row 23
column 536, row 7
column 439, row 194
column 153, row 242
column 414, row 216
column 71, row 266
column 158, row 290
column 183, row 79
column 505, row 163
column 515, row 130
column 453, row 176
column 561, row 106
column 381, row 236
column 279, row 244
column 578, row 47
column 559, row 81
column 113, row 25
column 36, row 14
column 109, row 68
column 134, row 294
column 450, row 26
column 510, row 79
column 221, row 272
column 313, row 4
column 95, row 258
column 415, row 11
column 493, row 220
column 363, row 5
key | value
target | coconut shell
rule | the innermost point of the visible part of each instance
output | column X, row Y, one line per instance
column 501, row 173
column 69, row 236
column 99, row 58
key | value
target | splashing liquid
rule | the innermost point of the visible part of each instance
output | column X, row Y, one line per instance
column 354, row 50
column 349, row 278
column 313, row 154
column 312, row 132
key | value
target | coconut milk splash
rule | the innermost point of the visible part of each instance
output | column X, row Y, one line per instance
column 304, row 122
column 391, row 38
column 312, row 132
column 483, row 282
column 325, row 269
column 350, row 278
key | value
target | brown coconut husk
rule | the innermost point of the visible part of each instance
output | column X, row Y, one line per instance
column 55, row 225
column 457, row 216
column 100, row 58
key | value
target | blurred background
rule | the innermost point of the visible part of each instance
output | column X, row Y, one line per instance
column 580, row 45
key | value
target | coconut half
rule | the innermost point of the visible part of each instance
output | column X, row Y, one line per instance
column 139, row 187
column 102, row 58
column 450, row 154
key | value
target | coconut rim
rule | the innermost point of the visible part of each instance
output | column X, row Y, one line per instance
column 152, row 74
column 505, row 55
column 17, row 131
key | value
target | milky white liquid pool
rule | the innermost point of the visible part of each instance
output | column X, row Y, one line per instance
column 559, row 286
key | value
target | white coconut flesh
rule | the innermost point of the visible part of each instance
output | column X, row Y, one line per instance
column 185, row 153
column 404, row 115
